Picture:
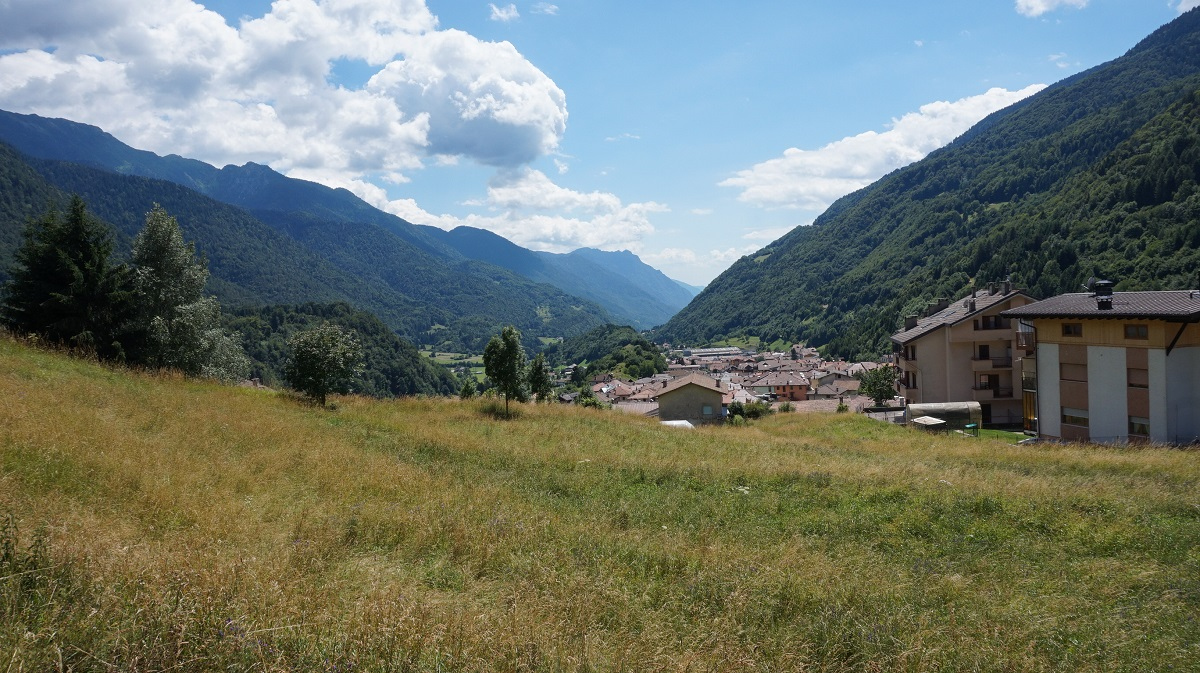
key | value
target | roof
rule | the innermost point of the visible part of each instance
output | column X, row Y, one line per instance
column 692, row 380
column 956, row 312
column 1168, row 305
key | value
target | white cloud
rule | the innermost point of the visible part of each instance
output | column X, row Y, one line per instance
column 702, row 212
column 545, row 8
column 173, row 77
column 561, row 166
column 1185, row 5
column 919, row 43
column 769, row 234
column 507, row 13
column 813, row 179
column 526, row 207
column 1062, row 61
column 623, row 136
column 1040, row 7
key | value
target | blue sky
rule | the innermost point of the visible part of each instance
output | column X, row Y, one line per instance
column 689, row 132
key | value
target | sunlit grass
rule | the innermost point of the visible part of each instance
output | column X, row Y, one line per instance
column 187, row 525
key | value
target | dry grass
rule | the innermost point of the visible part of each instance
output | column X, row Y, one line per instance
column 161, row 524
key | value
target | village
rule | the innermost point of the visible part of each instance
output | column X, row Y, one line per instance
column 1115, row 367
column 701, row 385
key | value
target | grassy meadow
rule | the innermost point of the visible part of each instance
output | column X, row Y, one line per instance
column 149, row 523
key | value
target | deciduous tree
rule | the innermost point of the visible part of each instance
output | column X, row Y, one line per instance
column 504, row 364
column 177, row 326
column 324, row 360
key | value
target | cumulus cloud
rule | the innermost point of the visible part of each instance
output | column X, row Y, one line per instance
column 506, row 13
column 1040, row 7
column 171, row 76
column 813, row 179
column 528, row 208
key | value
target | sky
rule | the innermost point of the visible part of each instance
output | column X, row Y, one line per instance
column 690, row 132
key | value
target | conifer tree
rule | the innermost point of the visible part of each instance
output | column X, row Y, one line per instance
column 64, row 286
column 541, row 383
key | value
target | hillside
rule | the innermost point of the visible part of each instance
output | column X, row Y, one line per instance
column 392, row 367
column 289, row 259
column 151, row 524
column 418, row 259
column 1088, row 177
column 620, row 282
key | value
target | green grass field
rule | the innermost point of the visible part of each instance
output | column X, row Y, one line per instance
column 149, row 523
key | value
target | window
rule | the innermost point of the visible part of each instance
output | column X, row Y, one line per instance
column 1139, row 426
column 1072, row 329
column 1075, row 416
column 707, row 410
column 1137, row 332
column 1072, row 372
column 1138, row 378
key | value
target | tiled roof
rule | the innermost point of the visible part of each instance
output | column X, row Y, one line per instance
column 694, row 379
column 1169, row 305
column 955, row 313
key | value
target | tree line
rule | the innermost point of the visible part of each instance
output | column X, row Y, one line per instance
column 66, row 289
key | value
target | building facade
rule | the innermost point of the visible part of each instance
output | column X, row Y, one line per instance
column 1112, row 366
column 963, row 351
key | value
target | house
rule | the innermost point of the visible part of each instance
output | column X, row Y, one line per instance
column 963, row 351
column 784, row 386
column 1109, row 366
column 696, row 398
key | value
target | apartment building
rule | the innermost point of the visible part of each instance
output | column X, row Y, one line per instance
column 963, row 351
column 1109, row 366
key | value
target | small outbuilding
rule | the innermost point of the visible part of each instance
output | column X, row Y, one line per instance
column 952, row 415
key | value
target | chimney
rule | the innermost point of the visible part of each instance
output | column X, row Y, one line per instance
column 971, row 305
column 910, row 321
column 1104, row 295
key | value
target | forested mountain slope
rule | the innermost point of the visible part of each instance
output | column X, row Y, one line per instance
column 295, row 259
column 630, row 290
column 319, row 216
column 1093, row 176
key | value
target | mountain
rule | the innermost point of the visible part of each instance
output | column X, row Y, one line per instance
column 293, row 258
column 1095, row 175
column 619, row 281
column 320, row 217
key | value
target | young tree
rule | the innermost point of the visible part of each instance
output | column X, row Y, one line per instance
column 504, row 364
column 323, row 360
column 179, row 327
column 64, row 286
column 879, row 384
column 541, row 382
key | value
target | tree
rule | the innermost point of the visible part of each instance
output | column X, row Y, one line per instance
column 879, row 384
column 324, row 360
column 541, row 383
column 179, row 327
column 504, row 364
column 64, row 286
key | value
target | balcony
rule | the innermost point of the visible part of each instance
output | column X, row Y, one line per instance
column 1029, row 383
column 1027, row 340
column 987, row 364
column 987, row 393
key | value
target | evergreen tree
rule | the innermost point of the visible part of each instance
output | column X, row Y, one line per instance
column 64, row 286
column 179, row 327
column 504, row 364
column 541, row 383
